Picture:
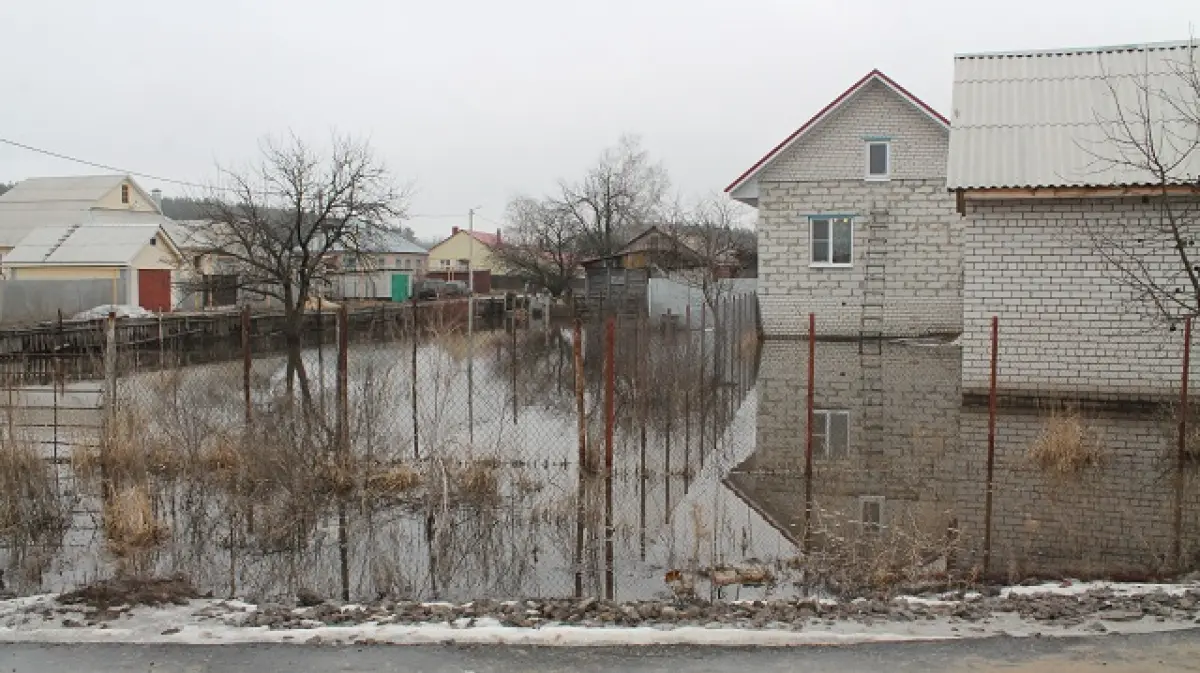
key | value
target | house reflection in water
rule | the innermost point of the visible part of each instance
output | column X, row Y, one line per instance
column 896, row 452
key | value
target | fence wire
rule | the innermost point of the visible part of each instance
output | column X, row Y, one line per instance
column 401, row 455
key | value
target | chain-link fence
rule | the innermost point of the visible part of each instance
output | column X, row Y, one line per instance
column 407, row 455
column 393, row 451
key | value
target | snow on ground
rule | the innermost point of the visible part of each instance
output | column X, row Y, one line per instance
column 212, row 621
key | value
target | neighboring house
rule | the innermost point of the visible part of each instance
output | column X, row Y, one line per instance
column 136, row 259
column 203, row 280
column 621, row 281
column 450, row 259
column 386, row 271
column 64, row 201
column 1028, row 134
column 854, row 222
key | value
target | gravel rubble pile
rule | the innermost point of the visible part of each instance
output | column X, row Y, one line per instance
column 1095, row 605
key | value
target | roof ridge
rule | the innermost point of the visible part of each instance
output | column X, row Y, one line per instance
column 1076, row 51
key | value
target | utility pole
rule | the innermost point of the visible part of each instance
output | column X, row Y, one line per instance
column 471, row 328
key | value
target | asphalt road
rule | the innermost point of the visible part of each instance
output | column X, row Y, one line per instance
column 1178, row 651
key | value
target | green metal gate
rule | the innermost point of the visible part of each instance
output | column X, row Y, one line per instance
column 401, row 287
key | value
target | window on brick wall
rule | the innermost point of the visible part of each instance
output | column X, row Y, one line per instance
column 832, row 241
column 831, row 433
column 879, row 160
column 871, row 513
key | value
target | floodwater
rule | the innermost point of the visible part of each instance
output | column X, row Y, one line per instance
column 709, row 470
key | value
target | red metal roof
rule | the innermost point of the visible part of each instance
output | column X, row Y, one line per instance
column 487, row 239
column 874, row 74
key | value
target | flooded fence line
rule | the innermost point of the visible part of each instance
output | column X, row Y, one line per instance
column 568, row 469
column 1026, row 475
column 74, row 350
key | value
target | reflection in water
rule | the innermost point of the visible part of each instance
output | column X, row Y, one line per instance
column 709, row 471
column 899, row 476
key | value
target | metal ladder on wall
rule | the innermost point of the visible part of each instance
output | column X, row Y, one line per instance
column 874, row 283
column 871, row 329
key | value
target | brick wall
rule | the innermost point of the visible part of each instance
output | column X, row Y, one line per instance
column 926, row 455
column 1069, row 324
column 1107, row 518
column 823, row 174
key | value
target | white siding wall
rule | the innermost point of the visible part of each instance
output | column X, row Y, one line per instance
column 823, row 174
column 1068, row 324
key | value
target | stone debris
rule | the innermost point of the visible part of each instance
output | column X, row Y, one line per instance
column 1091, row 610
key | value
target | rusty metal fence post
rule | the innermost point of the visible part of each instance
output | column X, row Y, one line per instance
column 1181, row 458
column 343, row 442
column 991, row 448
column 581, row 420
column 808, row 430
column 610, row 417
column 246, row 366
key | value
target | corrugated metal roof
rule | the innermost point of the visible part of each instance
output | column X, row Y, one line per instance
column 1045, row 118
column 83, row 245
column 88, row 188
column 18, row 220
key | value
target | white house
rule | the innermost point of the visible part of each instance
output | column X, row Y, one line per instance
column 854, row 221
column 1031, row 165
column 63, row 201
column 137, row 260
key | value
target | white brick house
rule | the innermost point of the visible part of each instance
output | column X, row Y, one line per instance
column 1031, row 166
column 854, row 220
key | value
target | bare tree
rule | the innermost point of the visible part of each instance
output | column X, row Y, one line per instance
column 1150, row 135
column 711, row 246
column 544, row 244
column 619, row 196
column 275, row 224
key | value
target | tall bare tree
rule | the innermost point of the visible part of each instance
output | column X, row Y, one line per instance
column 543, row 245
column 1150, row 135
column 618, row 196
column 275, row 224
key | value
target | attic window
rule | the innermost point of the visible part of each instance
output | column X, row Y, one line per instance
column 124, row 193
column 879, row 160
column 153, row 240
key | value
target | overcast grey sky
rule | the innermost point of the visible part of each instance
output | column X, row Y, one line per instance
column 478, row 100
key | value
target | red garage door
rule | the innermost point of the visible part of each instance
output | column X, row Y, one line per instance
column 154, row 289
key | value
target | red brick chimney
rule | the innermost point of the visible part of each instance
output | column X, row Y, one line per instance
column 453, row 230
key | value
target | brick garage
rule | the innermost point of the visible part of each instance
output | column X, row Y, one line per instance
column 822, row 170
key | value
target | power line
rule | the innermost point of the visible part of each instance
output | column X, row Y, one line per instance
column 85, row 162
column 184, row 183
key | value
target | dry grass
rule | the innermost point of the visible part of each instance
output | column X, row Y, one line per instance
column 129, row 451
column 30, row 507
column 1066, row 446
column 132, row 591
column 393, row 480
column 130, row 525
column 477, row 479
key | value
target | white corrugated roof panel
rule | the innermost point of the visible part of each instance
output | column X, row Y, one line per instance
column 1046, row 118
column 90, row 188
column 83, row 245
column 17, row 220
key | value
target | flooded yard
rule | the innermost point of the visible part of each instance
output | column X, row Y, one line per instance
column 489, row 481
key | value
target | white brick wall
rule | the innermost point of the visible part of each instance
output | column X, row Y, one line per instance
column 1068, row 324
column 823, row 174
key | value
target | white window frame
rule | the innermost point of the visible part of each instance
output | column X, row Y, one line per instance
column 887, row 171
column 870, row 527
column 822, row 419
column 812, row 241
